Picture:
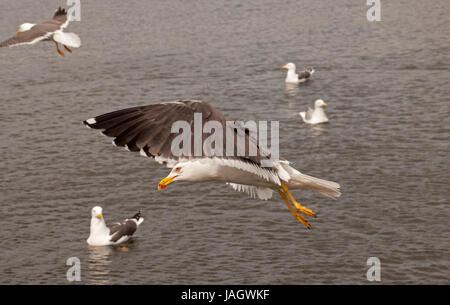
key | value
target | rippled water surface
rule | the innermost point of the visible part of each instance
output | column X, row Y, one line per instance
column 387, row 143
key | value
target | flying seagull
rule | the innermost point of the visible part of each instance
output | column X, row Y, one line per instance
column 148, row 129
column 316, row 115
column 49, row 30
column 103, row 234
column 293, row 78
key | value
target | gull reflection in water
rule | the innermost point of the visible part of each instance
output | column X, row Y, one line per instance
column 100, row 259
column 319, row 129
column 292, row 89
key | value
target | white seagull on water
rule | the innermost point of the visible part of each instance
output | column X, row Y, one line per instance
column 316, row 115
column 148, row 129
column 293, row 78
column 103, row 234
column 49, row 30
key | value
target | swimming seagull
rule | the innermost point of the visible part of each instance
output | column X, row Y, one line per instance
column 148, row 129
column 103, row 234
column 293, row 78
column 49, row 30
column 316, row 115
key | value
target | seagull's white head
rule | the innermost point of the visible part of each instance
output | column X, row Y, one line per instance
column 187, row 171
column 25, row 27
column 290, row 67
column 319, row 103
column 97, row 212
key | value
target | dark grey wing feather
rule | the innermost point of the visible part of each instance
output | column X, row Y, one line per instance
column 43, row 30
column 27, row 36
column 148, row 128
column 12, row 41
column 60, row 15
column 304, row 75
column 118, row 230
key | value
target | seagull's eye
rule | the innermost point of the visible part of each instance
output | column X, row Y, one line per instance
column 178, row 169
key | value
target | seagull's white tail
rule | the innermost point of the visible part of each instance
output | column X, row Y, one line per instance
column 141, row 220
column 327, row 188
column 303, row 115
column 297, row 180
column 68, row 39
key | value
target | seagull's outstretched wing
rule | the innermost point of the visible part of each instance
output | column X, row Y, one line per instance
column 148, row 129
column 35, row 34
column 61, row 17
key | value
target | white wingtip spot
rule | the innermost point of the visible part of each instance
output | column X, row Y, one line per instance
column 91, row 121
column 114, row 143
column 142, row 153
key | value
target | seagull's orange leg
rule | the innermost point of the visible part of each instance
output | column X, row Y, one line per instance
column 57, row 49
column 294, row 212
column 69, row 50
column 297, row 205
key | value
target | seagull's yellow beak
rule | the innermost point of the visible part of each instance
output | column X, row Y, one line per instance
column 283, row 67
column 324, row 104
column 100, row 216
column 166, row 181
column 18, row 32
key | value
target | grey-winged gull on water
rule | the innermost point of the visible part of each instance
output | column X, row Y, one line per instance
column 103, row 234
column 148, row 129
column 293, row 78
column 316, row 115
column 49, row 30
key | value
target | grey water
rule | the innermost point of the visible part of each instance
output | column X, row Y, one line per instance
column 386, row 84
